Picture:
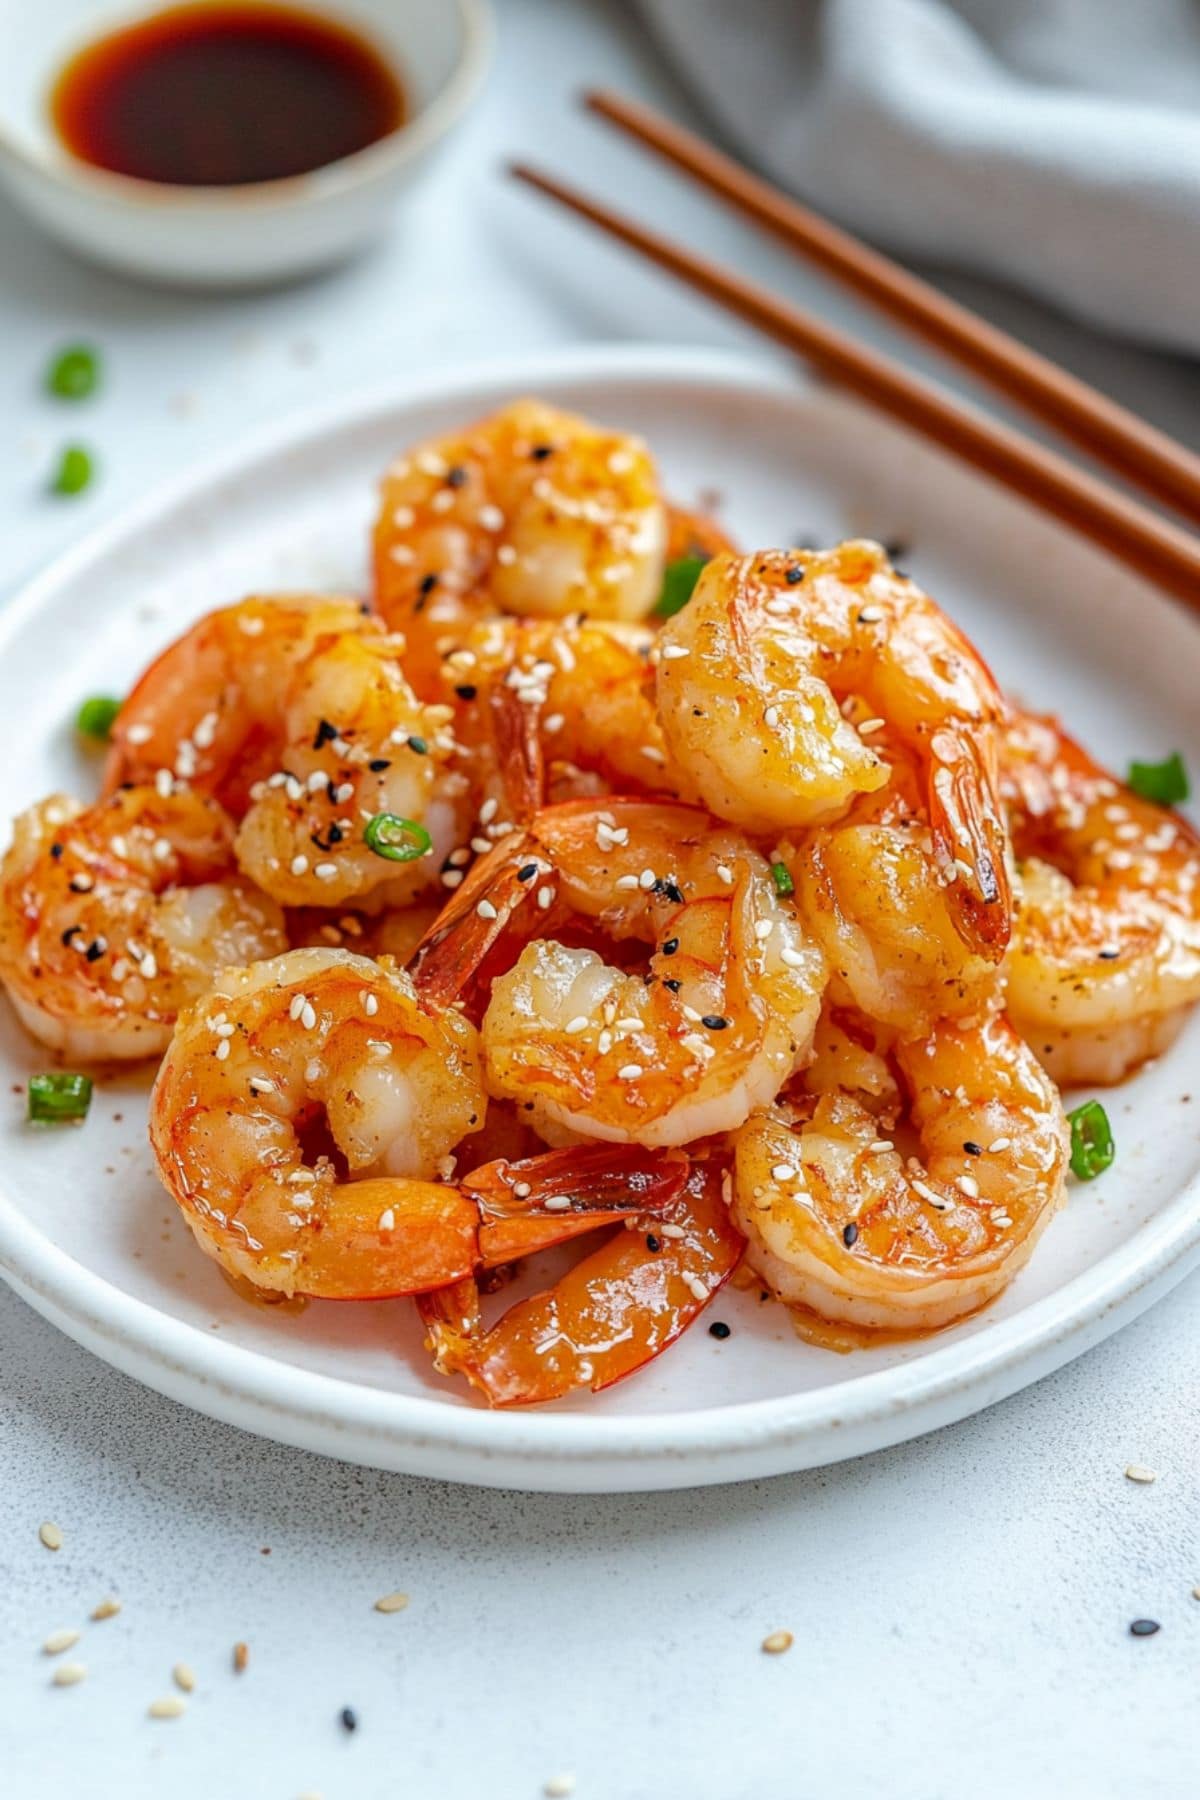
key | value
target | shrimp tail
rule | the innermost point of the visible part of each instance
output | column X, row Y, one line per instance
column 970, row 839
column 545, row 1200
column 517, row 742
column 454, row 960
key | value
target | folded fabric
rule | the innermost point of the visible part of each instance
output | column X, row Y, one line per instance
column 1054, row 144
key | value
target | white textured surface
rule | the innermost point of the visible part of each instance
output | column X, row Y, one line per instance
column 960, row 1606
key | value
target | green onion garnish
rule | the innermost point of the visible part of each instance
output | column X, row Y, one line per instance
column 679, row 578
column 1092, row 1148
column 74, row 471
column 1167, row 782
column 400, row 840
column 59, row 1097
column 784, row 885
column 74, row 373
column 97, row 716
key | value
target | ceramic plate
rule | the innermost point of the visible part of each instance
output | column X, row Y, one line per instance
column 89, row 1238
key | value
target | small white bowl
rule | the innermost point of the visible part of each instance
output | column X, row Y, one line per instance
column 230, row 236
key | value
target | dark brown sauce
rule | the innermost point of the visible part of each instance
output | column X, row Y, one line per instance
column 222, row 94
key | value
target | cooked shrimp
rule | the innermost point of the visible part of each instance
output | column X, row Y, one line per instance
column 208, row 710
column 531, row 510
column 614, row 1312
column 1106, row 955
column 538, row 702
column 114, row 916
column 751, row 675
column 355, row 744
column 870, row 890
column 841, row 1226
column 713, row 1027
column 301, row 1110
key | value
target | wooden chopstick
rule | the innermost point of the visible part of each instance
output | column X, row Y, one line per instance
column 1155, row 462
column 1146, row 543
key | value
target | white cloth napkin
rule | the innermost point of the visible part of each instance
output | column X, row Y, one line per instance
column 1054, row 144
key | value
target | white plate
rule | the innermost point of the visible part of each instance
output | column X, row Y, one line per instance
column 87, row 1235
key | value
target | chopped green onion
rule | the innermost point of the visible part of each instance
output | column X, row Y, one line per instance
column 679, row 578
column 784, row 885
column 55, row 1098
column 74, row 471
column 1167, row 782
column 97, row 716
column 1092, row 1148
column 74, row 373
column 400, row 840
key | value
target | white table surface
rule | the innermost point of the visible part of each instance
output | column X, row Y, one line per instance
column 960, row 1605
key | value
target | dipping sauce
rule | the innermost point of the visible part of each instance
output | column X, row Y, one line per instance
column 217, row 95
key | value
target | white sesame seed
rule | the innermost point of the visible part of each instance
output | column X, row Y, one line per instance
column 138, row 734
column 869, row 727
column 725, row 874
column 51, row 1534
column 771, row 717
column 222, row 1051
column 552, row 723
column 1139, row 1472
column 870, row 615
column 261, row 1084
column 559, row 1787
column 506, row 554
column 316, row 781
column 58, row 1641
column 792, row 958
column 488, row 810
column 653, row 754
column 370, row 1004
column 522, row 1190
column 325, row 871
column 557, row 1202
column 108, row 1608
column 696, row 1286
column 391, row 1603
column 451, row 878
column 626, row 882
column 481, row 845
column 69, row 1674
column 343, row 793
column 299, row 865
column 968, row 1185
column 486, row 910
column 880, row 1144
column 783, row 1172
column 183, row 1678
column 491, row 518
column 647, row 879
column 545, row 898
column 672, row 1231
column 171, row 1706
column 673, row 652
column 763, row 929
column 297, row 1006
column 928, row 1194
column 222, row 1028
column 1000, row 1144
column 387, row 1219
column 629, row 1072
column 148, row 967
column 308, row 1017
column 776, row 1642
column 579, row 1023
column 164, row 783
column 252, row 627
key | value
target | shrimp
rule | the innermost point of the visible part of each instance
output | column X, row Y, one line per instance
column 751, row 674
column 541, row 702
column 355, row 743
column 840, row 1226
column 1105, row 961
column 114, row 916
column 209, row 709
column 531, row 511
column 609, row 1316
column 304, row 1105
column 716, row 1023
column 871, row 892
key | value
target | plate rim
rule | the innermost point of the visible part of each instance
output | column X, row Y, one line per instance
column 335, row 1415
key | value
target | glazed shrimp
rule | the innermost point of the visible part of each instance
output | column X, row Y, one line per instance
column 841, row 1227
column 113, row 917
column 717, row 1022
column 751, row 676
column 304, row 1105
column 355, row 743
column 870, row 890
column 531, row 511
column 1105, row 961
column 208, row 710
column 614, row 1312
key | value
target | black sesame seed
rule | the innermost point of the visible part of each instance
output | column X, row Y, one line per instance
column 528, row 872
column 669, row 891
column 718, row 1329
column 1144, row 1628
column 456, row 476
column 670, row 947
column 540, row 452
column 325, row 734
column 78, row 884
column 1109, row 955
column 427, row 584
column 70, row 932
column 418, row 746
column 56, row 851
column 972, row 1149
column 95, row 950
column 894, row 549
column 652, row 1242
column 673, row 985
column 466, row 690
column 378, row 764
column 794, row 575
column 850, row 1234
column 348, row 1718
column 714, row 1022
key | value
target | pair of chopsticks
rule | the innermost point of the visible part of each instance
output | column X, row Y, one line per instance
column 1153, row 546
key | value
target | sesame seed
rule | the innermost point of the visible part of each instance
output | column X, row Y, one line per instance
column 261, row 1084
column 725, row 874
column 491, row 518
column 791, row 958
column 387, row 1219
column 559, row 1787
column 776, row 1642
column 299, row 865
column 763, row 929
column 370, row 1004
column 485, row 910
column 771, row 717
column 545, row 898
column 1138, row 1472
column 164, row 783
column 629, row 1072
column 522, row 1190
column 783, row 1172
column 325, row 871
column 870, row 615
column 647, row 879
column 308, row 1017
column 553, row 723
column 869, row 727
column 696, row 1286
column 671, row 1231
column 578, row 1023
column 968, row 1185
column 241, row 1656
column 297, row 1006
column 626, row 882
column 69, row 1674
column 673, row 652
column 51, row 1535
column 58, row 1641
column 879, row 1145
column 171, row 1706
column 183, row 1678
column 108, row 1608
column 222, row 1051
column 488, row 810
column 928, row 1194
column 481, row 845
column 1000, row 1144
column 391, row 1603
column 451, row 878
column 557, row 1203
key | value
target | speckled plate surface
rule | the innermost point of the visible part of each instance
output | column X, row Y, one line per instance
column 89, row 1238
